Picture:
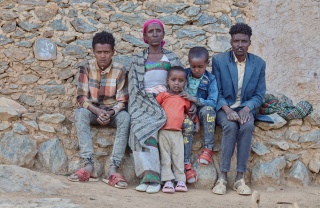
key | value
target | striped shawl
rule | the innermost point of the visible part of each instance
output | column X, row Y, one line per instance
column 147, row 116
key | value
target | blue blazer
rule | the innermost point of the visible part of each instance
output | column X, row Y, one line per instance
column 254, row 82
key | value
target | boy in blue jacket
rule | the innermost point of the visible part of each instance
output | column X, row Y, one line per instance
column 202, row 90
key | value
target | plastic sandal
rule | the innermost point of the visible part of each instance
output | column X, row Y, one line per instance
column 181, row 187
column 206, row 154
column 191, row 174
column 241, row 187
column 114, row 179
column 220, row 187
column 168, row 188
column 82, row 175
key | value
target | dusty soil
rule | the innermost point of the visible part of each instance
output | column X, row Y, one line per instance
column 99, row 194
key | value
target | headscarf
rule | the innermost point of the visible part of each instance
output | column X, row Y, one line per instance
column 152, row 21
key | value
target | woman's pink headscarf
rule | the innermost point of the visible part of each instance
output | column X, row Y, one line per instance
column 148, row 22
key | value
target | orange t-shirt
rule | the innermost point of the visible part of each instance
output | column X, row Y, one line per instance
column 175, row 107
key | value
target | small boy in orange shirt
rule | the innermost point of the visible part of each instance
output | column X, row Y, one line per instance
column 170, row 136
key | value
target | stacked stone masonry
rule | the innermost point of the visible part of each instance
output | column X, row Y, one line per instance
column 42, row 43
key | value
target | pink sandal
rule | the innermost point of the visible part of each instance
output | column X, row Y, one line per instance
column 181, row 187
column 168, row 188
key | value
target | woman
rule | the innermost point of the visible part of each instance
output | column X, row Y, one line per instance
column 147, row 77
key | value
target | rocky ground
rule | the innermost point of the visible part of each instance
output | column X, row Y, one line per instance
column 24, row 188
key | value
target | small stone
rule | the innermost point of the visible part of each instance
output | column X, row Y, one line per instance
column 206, row 175
column 81, row 26
column 291, row 157
column 278, row 122
column 189, row 32
column 45, row 49
column 51, row 156
column 260, row 149
column 235, row 12
column 280, row 144
column 3, row 66
column 292, row 135
column 202, row 2
column 190, row 44
column 18, row 34
column 19, row 129
column 29, row 100
column 52, row 118
column 26, row 44
column 64, row 131
column 46, row 128
column 200, row 38
column 48, row 33
column 205, row 19
column 17, row 150
column 67, row 39
column 30, row 27
column 70, row 144
column 314, row 164
column 219, row 43
column 33, row 2
column 135, row 41
column 8, row 15
column 32, row 124
column 53, row 89
column 240, row 4
column 224, row 19
column 312, row 136
column 105, row 7
column 268, row 173
column 192, row 11
column 58, row 25
column 9, row 27
column 131, row 19
column 173, row 20
column 101, row 142
column 270, row 189
column 165, row 7
column 45, row 14
column 10, row 110
column 16, row 53
column 128, row 7
column 84, row 43
column 75, row 51
column 239, row 20
column 215, row 28
column 298, row 175
column 4, row 40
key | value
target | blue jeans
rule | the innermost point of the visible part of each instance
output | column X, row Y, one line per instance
column 232, row 133
column 207, row 117
column 83, row 119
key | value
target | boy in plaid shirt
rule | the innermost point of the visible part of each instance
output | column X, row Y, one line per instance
column 101, row 96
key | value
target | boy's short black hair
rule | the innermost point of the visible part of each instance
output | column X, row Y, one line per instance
column 103, row 38
column 242, row 28
column 177, row 68
column 198, row 52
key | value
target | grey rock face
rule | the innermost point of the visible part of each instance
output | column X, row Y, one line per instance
column 84, row 43
column 28, row 79
column 52, row 118
column 52, row 156
column 17, row 150
column 165, row 7
column 202, row 2
column 26, row 44
column 65, row 74
column 102, row 142
column 268, row 173
column 76, row 51
column 191, row 33
column 312, row 136
column 28, row 26
column 215, row 28
column 219, row 43
column 8, row 15
column 278, row 122
column 9, row 27
column 18, row 179
column 58, row 25
column 207, row 175
column 260, row 149
column 4, row 40
column 53, row 89
column 81, row 26
column 173, row 20
column 135, row 41
column 32, row 124
column 29, row 100
column 131, row 19
column 46, row 128
column 205, row 19
column 45, row 49
column 105, row 7
column 20, row 129
column 280, row 144
column 192, row 11
column 298, row 175
column 128, row 7
column 70, row 144
column 291, row 157
column 224, row 19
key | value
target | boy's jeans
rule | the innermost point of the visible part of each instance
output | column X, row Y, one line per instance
column 83, row 119
column 207, row 117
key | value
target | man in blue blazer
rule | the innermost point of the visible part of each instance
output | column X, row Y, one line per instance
column 241, row 83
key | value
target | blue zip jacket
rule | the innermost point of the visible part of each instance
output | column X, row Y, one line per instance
column 208, row 89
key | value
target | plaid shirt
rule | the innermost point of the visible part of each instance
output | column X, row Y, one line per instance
column 104, row 89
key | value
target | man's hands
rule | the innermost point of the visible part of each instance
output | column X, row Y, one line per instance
column 103, row 116
column 187, row 96
column 241, row 117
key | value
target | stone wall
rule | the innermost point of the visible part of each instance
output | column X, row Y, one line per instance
column 42, row 43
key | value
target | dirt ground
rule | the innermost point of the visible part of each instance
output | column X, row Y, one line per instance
column 99, row 194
